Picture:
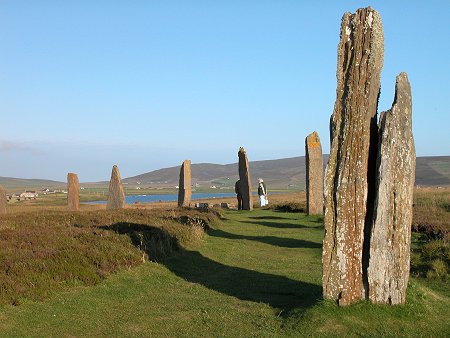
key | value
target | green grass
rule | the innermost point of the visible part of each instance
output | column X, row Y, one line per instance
column 256, row 274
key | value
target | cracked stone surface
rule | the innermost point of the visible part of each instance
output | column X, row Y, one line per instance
column 73, row 203
column 314, row 174
column 390, row 240
column 116, row 195
column 349, row 177
column 185, row 189
column 244, row 176
column 3, row 200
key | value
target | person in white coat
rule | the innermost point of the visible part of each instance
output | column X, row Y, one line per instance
column 262, row 192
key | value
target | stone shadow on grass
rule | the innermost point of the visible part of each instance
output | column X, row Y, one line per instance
column 156, row 242
column 276, row 291
column 272, row 240
column 269, row 217
column 279, row 225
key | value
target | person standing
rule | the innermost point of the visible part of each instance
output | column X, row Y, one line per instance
column 238, row 191
column 262, row 192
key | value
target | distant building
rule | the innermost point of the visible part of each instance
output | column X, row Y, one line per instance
column 48, row 191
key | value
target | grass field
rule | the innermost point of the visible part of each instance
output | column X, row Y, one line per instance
column 255, row 274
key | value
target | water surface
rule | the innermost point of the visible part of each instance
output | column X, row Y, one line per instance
column 131, row 199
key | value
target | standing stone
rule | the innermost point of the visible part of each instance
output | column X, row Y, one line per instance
column 348, row 179
column 244, row 176
column 185, row 190
column 3, row 200
column 73, row 203
column 116, row 195
column 388, row 271
column 314, row 175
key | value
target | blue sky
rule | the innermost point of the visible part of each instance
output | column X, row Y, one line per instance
column 146, row 84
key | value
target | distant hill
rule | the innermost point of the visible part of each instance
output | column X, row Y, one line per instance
column 433, row 171
column 20, row 184
column 282, row 173
column 430, row 171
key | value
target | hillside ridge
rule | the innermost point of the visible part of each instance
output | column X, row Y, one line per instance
column 278, row 173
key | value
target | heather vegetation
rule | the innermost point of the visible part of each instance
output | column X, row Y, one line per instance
column 430, row 257
column 47, row 251
column 431, row 213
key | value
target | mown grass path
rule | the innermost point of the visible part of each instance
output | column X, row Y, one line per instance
column 256, row 274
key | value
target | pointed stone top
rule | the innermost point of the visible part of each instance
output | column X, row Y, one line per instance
column 115, row 171
column 365, row 22
column 313, row 140
column 401, row 83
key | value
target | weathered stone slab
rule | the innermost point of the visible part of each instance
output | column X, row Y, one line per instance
column 388, row 271
column 185, row 189
column 244, row 176
column 314, row 174
column 116, row 195
column 348, row 176
column 73, row 203
column 3, row 200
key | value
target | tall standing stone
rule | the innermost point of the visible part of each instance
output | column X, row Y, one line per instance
column 388, row 270
column 3, row 200
column 348, row 176
column 73, row 203
column 185, row 190
column 314, row 175
column 116, row 195
column 244, row 176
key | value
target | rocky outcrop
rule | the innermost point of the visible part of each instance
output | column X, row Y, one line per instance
column 185, row 190
column 244, row 176
column 349, row 176
column 3, row 200
column 73, row 203
column 116, row 195
column 314, row 175
column 390, row 240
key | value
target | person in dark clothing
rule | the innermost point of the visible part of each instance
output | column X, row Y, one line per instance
column 238, row 191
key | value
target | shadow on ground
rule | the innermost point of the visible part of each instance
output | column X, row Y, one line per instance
column 280, row 225
column 156, row 242
column 268, row 217
column 272, row 240
column 276, row 291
